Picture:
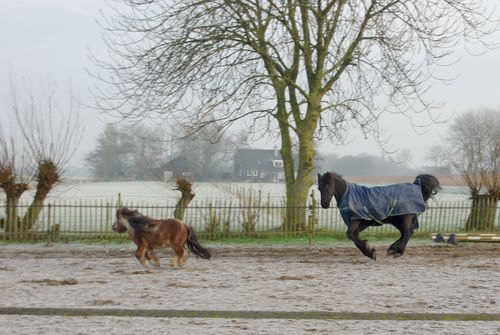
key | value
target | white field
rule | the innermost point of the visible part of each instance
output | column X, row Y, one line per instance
column 155, row 193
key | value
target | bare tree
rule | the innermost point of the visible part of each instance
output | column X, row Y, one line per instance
column 472, row 148
column 299, row 69
column 13, row 181
column 50, row 134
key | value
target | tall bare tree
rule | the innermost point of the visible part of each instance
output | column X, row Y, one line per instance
column 472, row 148
column 305, row 70
column 49, row 133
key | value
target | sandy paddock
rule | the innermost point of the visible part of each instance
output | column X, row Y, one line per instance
column 328, row 278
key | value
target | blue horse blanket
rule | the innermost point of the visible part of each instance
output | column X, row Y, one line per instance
column 379, row 202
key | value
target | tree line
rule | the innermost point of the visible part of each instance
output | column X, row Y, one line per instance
column 141, row 152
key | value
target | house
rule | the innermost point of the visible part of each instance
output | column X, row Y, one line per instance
column 178, row 167
column 258, row 165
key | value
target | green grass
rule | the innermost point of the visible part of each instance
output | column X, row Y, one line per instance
column 227, row 314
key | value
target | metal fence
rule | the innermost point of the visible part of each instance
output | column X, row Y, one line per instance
column 218, row 219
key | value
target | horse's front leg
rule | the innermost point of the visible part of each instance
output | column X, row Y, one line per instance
column 406, row 226
column 353, row 230
column 140, row 252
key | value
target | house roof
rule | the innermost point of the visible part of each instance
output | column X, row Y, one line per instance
column 178, row 164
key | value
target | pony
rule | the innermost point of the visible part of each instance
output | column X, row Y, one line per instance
column 148, row 234
column 362, row 207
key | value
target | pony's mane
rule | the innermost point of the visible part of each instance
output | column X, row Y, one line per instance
column 137, row 220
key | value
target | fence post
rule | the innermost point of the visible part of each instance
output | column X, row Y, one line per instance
column 311, row 224
column 49, row 228
column 107, row 221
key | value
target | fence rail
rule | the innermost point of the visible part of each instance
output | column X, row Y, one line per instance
column 219, row 219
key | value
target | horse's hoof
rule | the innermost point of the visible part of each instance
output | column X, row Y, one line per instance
column 374, row 254
column 397, row 254
column 391, row 252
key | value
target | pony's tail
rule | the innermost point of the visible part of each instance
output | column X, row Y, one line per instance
column 429, row 185
column 195, row 246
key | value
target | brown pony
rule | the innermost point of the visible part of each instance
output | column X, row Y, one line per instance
column 148, row 233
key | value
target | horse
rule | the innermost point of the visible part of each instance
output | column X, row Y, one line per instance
column 362, row 207
column 148, row 233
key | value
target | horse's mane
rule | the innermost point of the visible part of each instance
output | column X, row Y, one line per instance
column 137, row 220
column 333, row 174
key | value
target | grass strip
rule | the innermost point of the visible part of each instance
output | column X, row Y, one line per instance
column 309, row 315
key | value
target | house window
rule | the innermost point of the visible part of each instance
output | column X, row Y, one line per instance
column 279, row 177
column 277, row 163
column 252, row 173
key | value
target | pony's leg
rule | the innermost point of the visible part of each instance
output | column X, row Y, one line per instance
column 184, row 258
column 140, row 253
column 406, row 226
column 178, row 261
column 353, row 230
column 150, row 255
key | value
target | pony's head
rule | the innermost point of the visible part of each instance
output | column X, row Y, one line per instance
column 122, row 223
column 428, row 184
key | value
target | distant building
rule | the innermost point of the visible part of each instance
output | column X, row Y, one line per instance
column 178, row 167
column 258, row 165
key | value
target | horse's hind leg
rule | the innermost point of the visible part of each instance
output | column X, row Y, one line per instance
column 355, row 227
column 151, row 256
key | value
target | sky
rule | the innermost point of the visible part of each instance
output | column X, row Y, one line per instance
column 52, row 38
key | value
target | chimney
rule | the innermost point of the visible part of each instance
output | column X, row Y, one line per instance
column 276, row 152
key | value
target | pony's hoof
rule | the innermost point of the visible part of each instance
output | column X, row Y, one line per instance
column 391, row 252
column 397, row 254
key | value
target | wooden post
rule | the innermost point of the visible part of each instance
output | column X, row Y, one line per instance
column 311, row 225
column 49, row 228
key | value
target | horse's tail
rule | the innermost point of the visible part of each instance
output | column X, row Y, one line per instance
column 429, row 185
column 195, row 246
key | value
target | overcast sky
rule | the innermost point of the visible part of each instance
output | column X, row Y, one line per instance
column 40, row 38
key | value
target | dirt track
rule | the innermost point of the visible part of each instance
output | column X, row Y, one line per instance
column 428, row 279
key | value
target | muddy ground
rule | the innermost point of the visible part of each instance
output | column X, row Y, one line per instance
column 429, row 278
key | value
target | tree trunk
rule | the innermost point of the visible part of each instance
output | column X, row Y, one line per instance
column 33, row 211
column 482, row 214
column 11, row 223
column 299, row 183
column 187, row 195
column 47, row 178
column 297, row 191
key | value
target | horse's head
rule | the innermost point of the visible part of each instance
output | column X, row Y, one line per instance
column 326, row 186
column 121, row 223
column 331, row 185
column 429, row 185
